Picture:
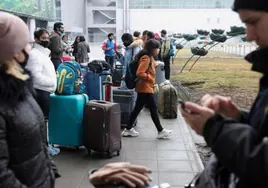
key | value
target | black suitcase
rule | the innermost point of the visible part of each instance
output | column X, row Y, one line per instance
column 117, row 75
column 126, row 98
column 102, row 130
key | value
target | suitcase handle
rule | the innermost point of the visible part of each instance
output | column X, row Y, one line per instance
column 101, row 102
column 105, row 74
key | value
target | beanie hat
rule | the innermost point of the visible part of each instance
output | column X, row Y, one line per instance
column 14, row 35
column 258, row 5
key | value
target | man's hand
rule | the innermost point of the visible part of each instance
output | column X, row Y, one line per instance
column 125, row 173
column 196, row 116
column 221, row 105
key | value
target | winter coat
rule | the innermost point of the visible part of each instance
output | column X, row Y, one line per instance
column 241, row 147
column 56, row 46
column 44, row 75
column 24, row 160
column 82, row 52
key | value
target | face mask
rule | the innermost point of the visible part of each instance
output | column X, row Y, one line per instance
column 44, row 43
column 26, row 58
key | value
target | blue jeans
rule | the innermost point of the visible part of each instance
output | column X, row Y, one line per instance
column 110, row 60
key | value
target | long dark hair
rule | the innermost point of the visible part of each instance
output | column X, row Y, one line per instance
column 75, row 41
column 149, row 48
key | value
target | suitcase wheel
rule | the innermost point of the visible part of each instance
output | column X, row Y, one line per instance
column 110, row 155
column 118, row 153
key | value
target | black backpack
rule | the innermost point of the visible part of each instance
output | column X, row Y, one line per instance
column 131, row 77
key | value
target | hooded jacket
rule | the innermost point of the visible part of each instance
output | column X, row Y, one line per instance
column 242, row 146
column 24, row 160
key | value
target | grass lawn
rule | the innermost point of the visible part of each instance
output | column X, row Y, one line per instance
column 225, row 76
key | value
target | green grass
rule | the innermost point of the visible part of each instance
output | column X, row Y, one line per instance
column 213, row 73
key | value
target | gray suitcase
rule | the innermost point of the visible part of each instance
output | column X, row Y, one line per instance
column 126, row 98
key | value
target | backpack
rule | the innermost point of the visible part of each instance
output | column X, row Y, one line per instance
column 167, row 48
column 69, row 80
column 172, row 48
column 168, row 100
column 131, row 77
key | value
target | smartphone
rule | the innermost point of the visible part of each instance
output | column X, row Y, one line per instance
column 182, row 104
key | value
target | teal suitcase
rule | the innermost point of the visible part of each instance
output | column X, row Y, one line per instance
column 65, row 124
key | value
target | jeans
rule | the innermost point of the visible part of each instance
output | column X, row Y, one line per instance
column 43, row 99
column 166, row 61
column 142, row 99
column 110, row 60
column 56, row 63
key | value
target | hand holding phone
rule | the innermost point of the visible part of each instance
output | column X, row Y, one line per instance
column 182, row 104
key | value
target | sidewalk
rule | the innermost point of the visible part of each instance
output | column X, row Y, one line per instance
column 174, row 161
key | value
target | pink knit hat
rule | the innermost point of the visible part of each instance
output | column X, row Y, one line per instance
column 14, row 35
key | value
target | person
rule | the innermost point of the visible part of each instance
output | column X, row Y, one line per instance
column 144, row 37
column 145, row 88
column 130, row 175
column 24, row 159
column 42, row 69
column 83, row 50
column 109, row 47
column 166, row 47
column 131, row 50
column 157, row 37
column 65, row 44
column 137, row 41
column 56, row 46
column 150, row 35
column 74, row 46
column 239, row 138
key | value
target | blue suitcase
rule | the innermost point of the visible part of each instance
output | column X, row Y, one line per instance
column 65, row 124
column 93, row 82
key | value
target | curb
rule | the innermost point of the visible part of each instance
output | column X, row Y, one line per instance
column 190, row 141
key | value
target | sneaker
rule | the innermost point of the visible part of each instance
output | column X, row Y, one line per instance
column 164, row 134
column 130, row 133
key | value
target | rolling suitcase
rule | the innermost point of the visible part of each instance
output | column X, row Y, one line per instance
column 93, row 82
column 117, row 75
column 126, row 98
column 96, row 74
column 102, row 130
column 65, row 124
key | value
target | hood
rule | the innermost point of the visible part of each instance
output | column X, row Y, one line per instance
column 259, row 60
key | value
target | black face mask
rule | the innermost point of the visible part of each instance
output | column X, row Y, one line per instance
column 26, row 58
column 44, row 43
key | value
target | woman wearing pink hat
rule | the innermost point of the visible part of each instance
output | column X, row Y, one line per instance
column 24, row 161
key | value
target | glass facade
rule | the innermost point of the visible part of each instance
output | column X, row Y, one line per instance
column 42, row 9
column 177, row 4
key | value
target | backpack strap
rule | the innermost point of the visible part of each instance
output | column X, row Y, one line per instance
column 150, row 64
column 132, row 58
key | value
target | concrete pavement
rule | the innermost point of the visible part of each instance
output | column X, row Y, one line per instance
column 174, row 161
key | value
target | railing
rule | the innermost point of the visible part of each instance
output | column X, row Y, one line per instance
column 239, row 50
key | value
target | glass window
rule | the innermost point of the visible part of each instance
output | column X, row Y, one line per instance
column 190, row 4
column 58, row 4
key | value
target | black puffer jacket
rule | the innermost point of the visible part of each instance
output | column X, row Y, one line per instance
column 24, row 161
column 242, row 146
